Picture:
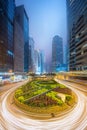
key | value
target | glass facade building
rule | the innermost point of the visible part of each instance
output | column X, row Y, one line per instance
column 18, row 48
column 22, row 19
column 36, row 62
column 77, row 34
column 42, row 61
column 7, row 8
column 57, row 53
column 31, row 55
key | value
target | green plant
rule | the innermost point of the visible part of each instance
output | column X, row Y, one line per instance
column 62, row 86
column 68, row 97
column 18, row 92
column 60, row 102
column 21, row 99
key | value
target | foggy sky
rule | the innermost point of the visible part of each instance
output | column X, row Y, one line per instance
column 47, row 18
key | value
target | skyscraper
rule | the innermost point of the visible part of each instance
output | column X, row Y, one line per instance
column 7, row 8
column 23, row 20
column 39, row 61
column 36, row 55
column 31, row 54
column 42, row 61
column 57, row 53
column 77, row 34
column 18, row 48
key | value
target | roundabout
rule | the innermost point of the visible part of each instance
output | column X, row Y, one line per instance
column 12, row 118
column 44, row 98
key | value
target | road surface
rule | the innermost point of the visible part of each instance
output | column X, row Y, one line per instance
column 12, row 118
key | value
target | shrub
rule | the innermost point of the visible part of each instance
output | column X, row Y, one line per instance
column 68, row 97
column 21, row 99
column 41, row 104
column 60, row 102
column 40, row 91
column 18, row 92
column 62, row 86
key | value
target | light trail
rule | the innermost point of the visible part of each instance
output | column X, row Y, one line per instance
column 17, row 120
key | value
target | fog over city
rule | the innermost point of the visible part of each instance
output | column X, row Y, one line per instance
column 47, row 18
column 43, row 64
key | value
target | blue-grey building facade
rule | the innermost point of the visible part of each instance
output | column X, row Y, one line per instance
column 77, row 34
column 22, row 18
column 57, row 53
column 7, row 9
column 42, row 61
column 31, row 55
column 18, row 48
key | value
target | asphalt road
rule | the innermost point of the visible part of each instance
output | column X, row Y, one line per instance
column 12, row 118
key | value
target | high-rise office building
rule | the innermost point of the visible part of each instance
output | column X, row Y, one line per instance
column 7, row 8
column 36, row 55
column 57, row 53
column 31, row 55
column 39, row 61
column 23, row 20
column 18, row 48
column 77, row 34
column 42, row 61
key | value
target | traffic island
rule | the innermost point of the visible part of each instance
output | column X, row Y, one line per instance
column 44, row 98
